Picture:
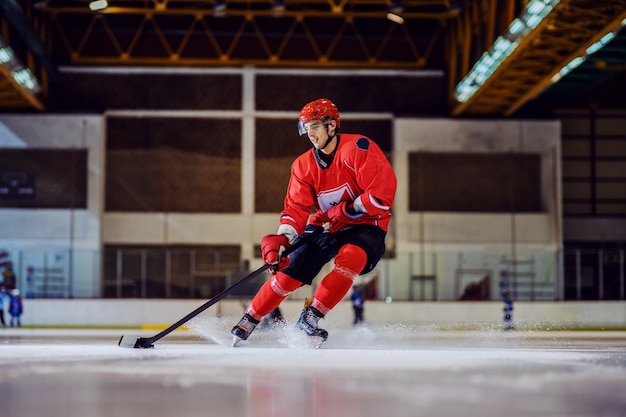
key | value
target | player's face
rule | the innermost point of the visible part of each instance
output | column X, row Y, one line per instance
column 318, row 133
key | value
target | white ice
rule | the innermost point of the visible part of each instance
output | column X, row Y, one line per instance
column 365, row 371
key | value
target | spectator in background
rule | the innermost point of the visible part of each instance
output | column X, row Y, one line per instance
column 15, row 308
column 7, row 282
column 30, row 282
column 508, row 301
column 3, row 298
column 8, row 275
column 358, row 301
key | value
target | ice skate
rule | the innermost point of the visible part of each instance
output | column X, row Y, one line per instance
column 308, row 324
column 243, row 329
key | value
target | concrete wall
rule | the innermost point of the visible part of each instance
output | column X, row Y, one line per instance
column 479, row 137
column 37, row 228
column 463, row 315
column 66, row 241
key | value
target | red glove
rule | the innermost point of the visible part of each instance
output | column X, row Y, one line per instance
column 318, row 219
column 339, row 217
column 271, row 248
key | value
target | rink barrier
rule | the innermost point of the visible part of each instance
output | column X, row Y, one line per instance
column 156, row 314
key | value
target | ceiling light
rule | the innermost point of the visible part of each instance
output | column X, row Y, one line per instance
column 26, row 79
column 575, row 63
column 395, row 18
column 219, row 7
column 6, row 55
column 19, row 73
column 278, row 6
column 395, row 9
column 535, row 12
column 601, row 43
column 98, row 5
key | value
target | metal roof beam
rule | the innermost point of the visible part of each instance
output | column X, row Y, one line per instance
column 564, row 34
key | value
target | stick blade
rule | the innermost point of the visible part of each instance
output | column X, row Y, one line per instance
column 135, row 342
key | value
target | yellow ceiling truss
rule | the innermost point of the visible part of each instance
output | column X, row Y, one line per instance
column 307, row 33
column 448, row 35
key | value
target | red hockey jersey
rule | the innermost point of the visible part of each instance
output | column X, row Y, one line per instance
column 358, row 169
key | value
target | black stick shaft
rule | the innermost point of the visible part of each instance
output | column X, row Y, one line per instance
column 228, row 290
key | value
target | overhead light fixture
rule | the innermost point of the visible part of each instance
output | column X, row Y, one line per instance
column 97, row 5
column 26, row 79
column 595, row 47
column 278, row 6
column 592, row 49
column 395, row 18
column 504, row 45
column 20, row 74
column 6, row 55
column 219, row 7
column 394, row 12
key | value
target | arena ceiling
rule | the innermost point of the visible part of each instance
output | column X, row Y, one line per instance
column 447, row 35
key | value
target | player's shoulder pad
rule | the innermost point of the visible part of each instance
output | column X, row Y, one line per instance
column 362, row 144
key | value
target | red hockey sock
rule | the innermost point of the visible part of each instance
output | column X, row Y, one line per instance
column 271, row 294
column 349, row 262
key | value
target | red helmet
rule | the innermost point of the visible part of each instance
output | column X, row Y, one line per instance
column 321, row 109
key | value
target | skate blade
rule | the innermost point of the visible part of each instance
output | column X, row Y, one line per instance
column 316, row 342
column 298, row 339
column 236, row 341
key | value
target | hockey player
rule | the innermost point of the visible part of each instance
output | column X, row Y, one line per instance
column 16, row 308
column 358, row 300
column 508, row 301
column 349, row 184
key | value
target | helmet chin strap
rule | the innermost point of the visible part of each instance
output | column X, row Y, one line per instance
column 330, row 138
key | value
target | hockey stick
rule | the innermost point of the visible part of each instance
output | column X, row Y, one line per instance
column 148, row 342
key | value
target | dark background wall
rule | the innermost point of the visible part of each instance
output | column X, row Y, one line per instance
column 43, row 178
column 400, row 93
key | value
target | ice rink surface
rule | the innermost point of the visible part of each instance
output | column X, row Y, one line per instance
column 366, row 372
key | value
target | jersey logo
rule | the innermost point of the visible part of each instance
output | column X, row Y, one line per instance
column 330, row 198
column 363, row 144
